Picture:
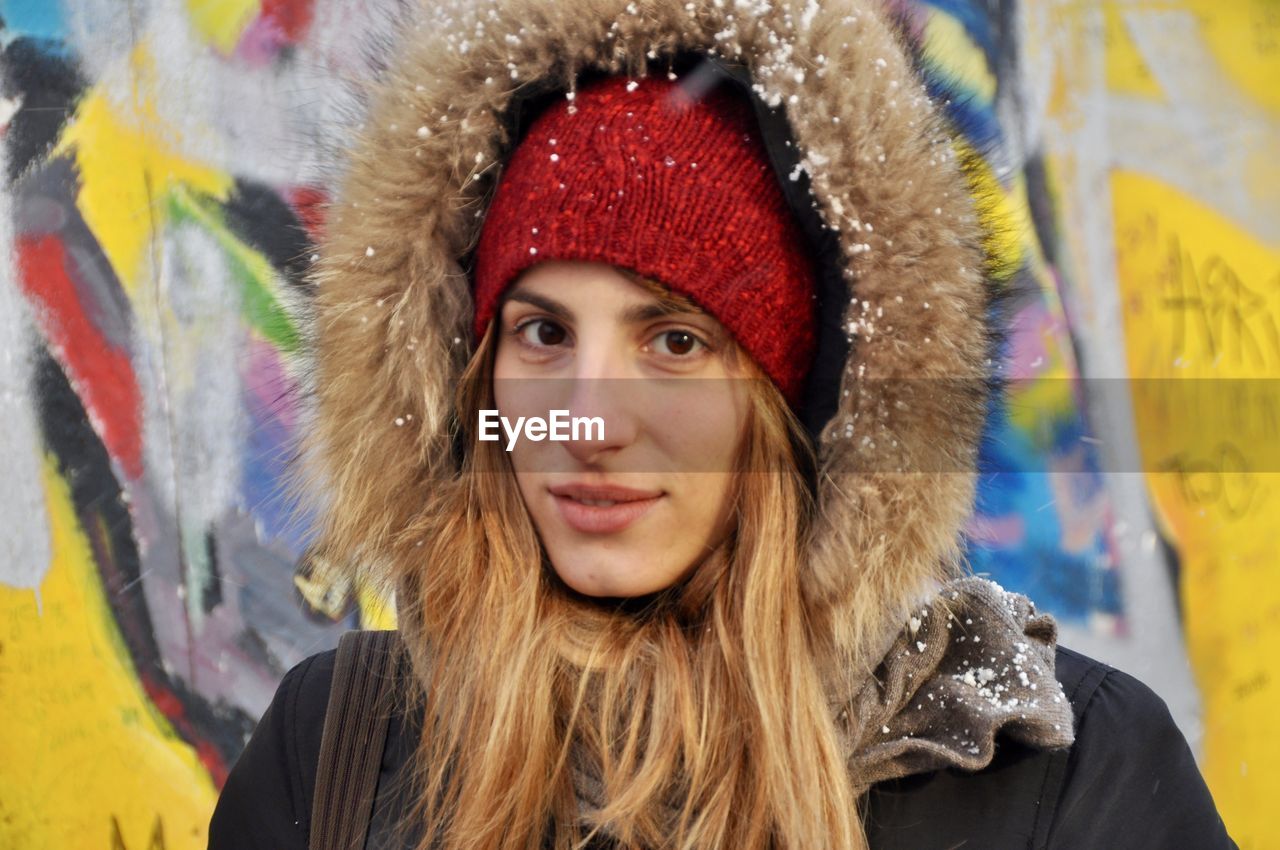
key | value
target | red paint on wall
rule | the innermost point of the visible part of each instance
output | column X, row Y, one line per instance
column 100, row 372
column 290, row 17
column 309, row 205
column 168, row 703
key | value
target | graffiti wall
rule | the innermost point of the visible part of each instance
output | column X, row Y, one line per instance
column 156, row 219
column 162, row 163
column 1162, row 122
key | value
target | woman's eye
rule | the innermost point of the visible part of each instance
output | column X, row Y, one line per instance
column 676, row 343
column 542, row 333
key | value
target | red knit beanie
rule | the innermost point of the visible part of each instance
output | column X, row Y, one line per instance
column 638, row 174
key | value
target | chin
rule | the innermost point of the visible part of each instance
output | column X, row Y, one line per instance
column 587, row 576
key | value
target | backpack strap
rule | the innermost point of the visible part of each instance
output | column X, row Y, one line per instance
column 353, row 740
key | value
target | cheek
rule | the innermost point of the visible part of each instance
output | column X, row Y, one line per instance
column 699, row 432
column 518, row 398
column 528, row 485
column 708, row 508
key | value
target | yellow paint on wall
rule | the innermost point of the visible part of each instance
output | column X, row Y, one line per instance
column 222, row 22
column 1244, row 36
column 1003, row 211
column 377, row 610
column 946, row 42
column 1262, row 165
column 1127, row 72
column 1202, row 293
column 128, row 160
column 1201, row 308
column 93, row 758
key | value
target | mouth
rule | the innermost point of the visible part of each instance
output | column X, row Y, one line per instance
column 593, row 509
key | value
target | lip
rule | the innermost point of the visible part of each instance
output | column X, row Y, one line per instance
column 629, row 506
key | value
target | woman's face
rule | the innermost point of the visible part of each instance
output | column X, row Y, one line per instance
column 637, row 510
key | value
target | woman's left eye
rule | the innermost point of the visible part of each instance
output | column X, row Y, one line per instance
column 677, row 343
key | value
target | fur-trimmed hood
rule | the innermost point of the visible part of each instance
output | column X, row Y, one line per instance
column 389, row 323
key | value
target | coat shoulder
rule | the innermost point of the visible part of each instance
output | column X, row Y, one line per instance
column 1000, row 806
column 1129, row 780
column 266, row 800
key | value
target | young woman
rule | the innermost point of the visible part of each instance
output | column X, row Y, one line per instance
column 735, row 616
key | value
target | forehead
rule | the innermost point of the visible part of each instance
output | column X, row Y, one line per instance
column 573, row 283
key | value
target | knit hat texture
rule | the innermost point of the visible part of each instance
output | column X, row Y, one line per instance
column 678, row 188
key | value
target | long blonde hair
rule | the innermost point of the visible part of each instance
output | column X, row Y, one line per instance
column 701, row 712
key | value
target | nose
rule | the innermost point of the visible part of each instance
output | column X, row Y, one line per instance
column 602, row 393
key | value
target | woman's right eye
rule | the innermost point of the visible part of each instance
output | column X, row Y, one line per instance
column 541, row 333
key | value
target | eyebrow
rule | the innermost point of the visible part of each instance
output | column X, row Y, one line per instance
column 648, row 312
column 636, row 314
column 552, row 306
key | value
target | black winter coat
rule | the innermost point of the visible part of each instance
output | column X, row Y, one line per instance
column 1129, row 781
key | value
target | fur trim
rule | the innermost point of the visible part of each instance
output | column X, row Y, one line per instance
column 388, row 326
